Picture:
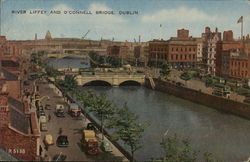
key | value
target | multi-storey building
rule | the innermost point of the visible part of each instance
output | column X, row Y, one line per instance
column 239, row 66
column 117, row 51
column 210, row 40
column 157, row 52
column 224, row 49
column 180, row 52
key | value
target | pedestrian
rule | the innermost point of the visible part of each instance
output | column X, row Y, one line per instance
column 46, row 147
column 49, row 117
column 60, row 131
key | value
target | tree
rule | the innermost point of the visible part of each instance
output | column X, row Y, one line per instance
column 69, row 84
column 165, row 70
column 103, row 108
column 50, row 71
column 209, row 81
column 127, row 129
column 176, row 150
column 85, row 98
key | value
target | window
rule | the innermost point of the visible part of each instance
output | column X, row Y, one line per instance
column 189, row 56
column 176, row 57
column 176, row 49
column 181, row 57
column 193, row 56
column 172, row 56
column 185, row 57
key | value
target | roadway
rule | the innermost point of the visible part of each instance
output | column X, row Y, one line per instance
column 72, row 128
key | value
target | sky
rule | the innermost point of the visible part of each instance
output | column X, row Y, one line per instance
column 156, row 19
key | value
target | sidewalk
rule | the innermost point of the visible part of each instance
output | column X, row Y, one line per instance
column 71, row 127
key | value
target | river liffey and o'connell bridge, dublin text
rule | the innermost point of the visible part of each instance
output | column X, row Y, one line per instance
column 73, row 12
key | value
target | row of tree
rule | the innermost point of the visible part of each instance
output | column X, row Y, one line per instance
column 123, row 122
column 106, row 60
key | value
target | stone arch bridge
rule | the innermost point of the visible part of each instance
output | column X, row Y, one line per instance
column 113, row 80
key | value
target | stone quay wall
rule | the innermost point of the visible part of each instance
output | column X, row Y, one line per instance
column 219, row 103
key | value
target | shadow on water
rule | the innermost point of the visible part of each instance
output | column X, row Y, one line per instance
column 98, row 83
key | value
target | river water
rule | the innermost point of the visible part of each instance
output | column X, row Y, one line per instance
column 225, row 135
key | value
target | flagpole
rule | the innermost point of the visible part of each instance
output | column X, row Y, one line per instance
column 242, row 29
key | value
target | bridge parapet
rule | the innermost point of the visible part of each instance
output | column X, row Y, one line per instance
column 113, row 80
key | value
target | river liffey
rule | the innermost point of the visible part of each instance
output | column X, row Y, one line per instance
column 225, row 135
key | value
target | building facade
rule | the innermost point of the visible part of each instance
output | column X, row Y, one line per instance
column 157, row 52
column 210, row 40
column 224, row 49
column 179, row 52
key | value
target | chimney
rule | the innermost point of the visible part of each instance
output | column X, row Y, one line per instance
column 207, row 30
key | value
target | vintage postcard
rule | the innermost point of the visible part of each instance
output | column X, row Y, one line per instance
column 125, row 80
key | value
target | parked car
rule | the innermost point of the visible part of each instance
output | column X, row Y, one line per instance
column 62, row 141
column 43, row 119
column 40, row 113
column 60, row 110
column 91, row 126
column 47, row 107
column 106, row 146
column 48, row 140
column 43, row 127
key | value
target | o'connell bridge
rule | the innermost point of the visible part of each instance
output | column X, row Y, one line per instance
column 111, row 79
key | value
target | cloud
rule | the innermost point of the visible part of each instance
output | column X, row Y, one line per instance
column 181, row 14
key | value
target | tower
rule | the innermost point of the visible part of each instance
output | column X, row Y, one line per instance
column 48, row 35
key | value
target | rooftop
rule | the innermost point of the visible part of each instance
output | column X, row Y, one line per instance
column 8, row 75
column 19, row 121
column 15, row 103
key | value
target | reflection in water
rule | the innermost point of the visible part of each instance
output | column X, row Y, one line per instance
column 226, row 136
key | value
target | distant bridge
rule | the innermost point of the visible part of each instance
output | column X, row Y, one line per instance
column 111, row 79
column 63, row 55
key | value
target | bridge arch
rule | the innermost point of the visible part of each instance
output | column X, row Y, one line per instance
column 130, row 83
column 71, row 57
column 97, row 83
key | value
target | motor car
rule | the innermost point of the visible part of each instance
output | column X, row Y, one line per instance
column 60, row 113
column 43, row 119
column 91, row 126
column 106, row 146
column 40, row 113
column 43, row 127
column 47, row 107
column 62, row 141
column 60, row 110
column 48, row 140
